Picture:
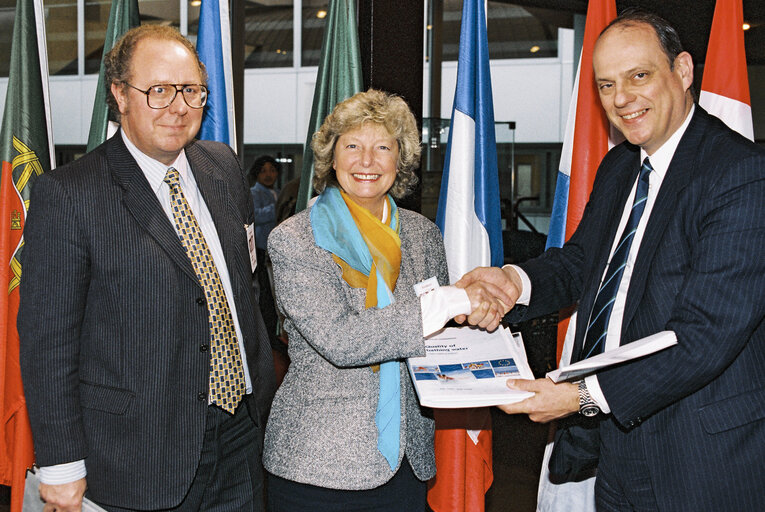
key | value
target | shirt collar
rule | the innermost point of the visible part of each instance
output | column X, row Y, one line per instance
column 154, row 170
column 662, row 157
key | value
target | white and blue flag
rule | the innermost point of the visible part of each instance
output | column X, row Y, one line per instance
column 214, row 48
column 469, row 213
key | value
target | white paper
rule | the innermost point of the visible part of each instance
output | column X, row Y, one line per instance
column 33, row 503
column 634, row 350
column 469, row 367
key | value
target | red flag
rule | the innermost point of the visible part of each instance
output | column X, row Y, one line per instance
column 725, row 87
column 463, row 460
column 16, row 442
column 26, row 151
column 591, row 131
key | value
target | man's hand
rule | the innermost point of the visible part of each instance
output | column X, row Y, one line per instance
column 487, row 305
column 504, row 285
column 63, row 497
column 550, row 401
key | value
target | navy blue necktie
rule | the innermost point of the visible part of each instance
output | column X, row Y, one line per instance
column 595, row 338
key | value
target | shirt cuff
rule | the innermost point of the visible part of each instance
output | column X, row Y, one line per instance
column 441, row 305
column 63, row 473
column 525, row 297
column 593, row 387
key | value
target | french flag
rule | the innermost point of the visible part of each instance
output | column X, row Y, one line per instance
column 470, row 220
column 214, row 48
column 725, row 87
column 468, row 207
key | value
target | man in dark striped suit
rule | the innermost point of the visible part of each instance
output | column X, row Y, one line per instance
column 147, row 369
column 671, row 242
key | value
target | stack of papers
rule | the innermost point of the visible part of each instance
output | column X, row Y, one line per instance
column 469, row 367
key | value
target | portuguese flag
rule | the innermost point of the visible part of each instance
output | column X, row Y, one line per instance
column 26, row 152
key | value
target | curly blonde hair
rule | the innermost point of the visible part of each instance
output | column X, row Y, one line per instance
column 372, row 106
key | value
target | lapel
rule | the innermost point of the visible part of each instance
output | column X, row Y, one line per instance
column 142, row 203
column 622, row 175
column 679, row 175
column 218, row 200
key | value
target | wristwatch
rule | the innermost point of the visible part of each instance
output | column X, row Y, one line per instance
column 587, row 406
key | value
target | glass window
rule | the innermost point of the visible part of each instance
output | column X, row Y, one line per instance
column 514, row 32
column 314, row 16
column 7, row 13
column 61, row 32
column 268, row 30
column 96, row 21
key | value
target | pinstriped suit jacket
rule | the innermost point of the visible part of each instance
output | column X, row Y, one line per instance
column 322, row 425
column 112, row 322
column 698, row 407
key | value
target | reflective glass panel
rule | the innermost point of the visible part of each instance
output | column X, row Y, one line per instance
column 268, row 30
column 514, row 32
column 7, row 13
column 314, row 16
column 61, row 32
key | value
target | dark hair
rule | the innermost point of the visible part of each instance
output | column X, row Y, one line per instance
column 118, row 60
column 668, row 38
column 259, row 162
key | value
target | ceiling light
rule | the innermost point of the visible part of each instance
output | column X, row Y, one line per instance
column 196, row 3
column 746, row 26
column 321, row 14
column 534, row 49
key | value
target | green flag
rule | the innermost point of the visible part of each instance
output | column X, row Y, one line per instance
column 25, row 138
column 122, row 17
column 26, row 152
column 339, row 78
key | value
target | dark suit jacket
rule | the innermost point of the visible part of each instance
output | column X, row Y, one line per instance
column 698, row 407
column 114, row 327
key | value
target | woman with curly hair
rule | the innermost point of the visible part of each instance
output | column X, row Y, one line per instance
column 346, row 431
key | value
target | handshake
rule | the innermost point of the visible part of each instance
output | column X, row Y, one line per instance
column 493, row 292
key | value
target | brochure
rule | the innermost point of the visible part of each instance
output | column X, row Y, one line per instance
column 469, row 367
column 634, row 350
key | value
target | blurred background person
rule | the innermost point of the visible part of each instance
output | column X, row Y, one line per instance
column 346, row 431
column 264, row 172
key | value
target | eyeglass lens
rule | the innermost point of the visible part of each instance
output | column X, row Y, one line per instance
column 162, row 95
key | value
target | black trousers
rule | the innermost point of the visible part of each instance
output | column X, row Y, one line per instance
column 229, row 477
column 402, row 493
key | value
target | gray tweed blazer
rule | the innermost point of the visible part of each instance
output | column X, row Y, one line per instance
column 321, row 430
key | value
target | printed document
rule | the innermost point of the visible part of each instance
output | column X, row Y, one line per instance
column 469, row 367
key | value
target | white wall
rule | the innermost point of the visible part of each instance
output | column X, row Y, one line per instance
column 532, row 92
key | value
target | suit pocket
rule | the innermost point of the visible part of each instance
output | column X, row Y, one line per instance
column 733, row 412
column 105, row 398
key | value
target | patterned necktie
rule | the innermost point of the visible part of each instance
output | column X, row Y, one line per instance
column 226, row 371
column 597, row 329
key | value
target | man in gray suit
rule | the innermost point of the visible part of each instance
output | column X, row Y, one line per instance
column 147, row 370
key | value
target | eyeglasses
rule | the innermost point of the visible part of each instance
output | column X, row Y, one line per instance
column 162, row 95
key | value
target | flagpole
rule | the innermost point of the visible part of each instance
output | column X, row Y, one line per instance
column 42, row 49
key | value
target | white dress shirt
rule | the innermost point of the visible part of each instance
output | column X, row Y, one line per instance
column 155, row 172
column 660, row 161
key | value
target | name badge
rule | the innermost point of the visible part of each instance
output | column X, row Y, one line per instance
column 251, row 246
column 426, row 286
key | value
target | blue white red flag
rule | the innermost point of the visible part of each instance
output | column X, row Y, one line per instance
column 468, row 207
column 214, row 48
column 469, row 217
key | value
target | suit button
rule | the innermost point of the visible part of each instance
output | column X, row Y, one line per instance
column 204, row 348
column 201, row 301
column 201, row 396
